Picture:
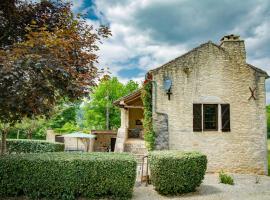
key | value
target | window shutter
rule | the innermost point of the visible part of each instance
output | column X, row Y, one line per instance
column 225, row 116
column 197, row 117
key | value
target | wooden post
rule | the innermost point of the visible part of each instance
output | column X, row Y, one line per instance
column 4, row 141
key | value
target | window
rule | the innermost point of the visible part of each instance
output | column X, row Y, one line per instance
column 206, row 117
column 210, row 117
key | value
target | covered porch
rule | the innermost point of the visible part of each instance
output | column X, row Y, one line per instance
column 131, row 130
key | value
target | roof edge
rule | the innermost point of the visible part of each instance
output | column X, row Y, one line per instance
column 260, row 71
column 129, row 96
column 185, row 54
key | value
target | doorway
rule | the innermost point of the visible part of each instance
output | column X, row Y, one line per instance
column 113, row 140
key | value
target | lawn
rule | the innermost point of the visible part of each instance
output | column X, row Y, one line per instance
column 268, row 157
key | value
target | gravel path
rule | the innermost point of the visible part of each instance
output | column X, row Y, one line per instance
column 245, row 188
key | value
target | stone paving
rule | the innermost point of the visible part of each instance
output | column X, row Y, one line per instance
column 245, row 188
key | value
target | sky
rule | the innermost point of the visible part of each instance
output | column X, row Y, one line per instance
column 149, row 33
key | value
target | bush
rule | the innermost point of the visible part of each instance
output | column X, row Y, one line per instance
column 175, row 172
column 225, row 178
column 32, row 146
column 68, row 175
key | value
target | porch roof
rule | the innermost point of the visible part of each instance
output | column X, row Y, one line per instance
column 128, row 98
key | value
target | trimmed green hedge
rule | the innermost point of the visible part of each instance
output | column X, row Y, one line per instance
column 65, row 175
column 175, row 172
column 17, row 146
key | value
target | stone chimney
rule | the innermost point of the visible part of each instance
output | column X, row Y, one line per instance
column 235, row 47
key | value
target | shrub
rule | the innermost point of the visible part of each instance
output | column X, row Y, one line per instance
column 65, row 175
column 32, row 146
column 225, row 178
column 175, row 172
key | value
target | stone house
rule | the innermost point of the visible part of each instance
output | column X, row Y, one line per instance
column 210, row 100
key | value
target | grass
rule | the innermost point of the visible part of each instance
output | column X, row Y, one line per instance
column 268, row 157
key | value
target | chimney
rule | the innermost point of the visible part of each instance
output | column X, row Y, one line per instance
column 235, row 47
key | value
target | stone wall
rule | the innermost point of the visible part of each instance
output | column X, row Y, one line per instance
column 161, row 131
column 103, row 142
column 208, row 74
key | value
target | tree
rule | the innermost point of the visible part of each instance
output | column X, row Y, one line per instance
column 30, row 125
column 51, row 55
column 100, row 113
column 65, row 117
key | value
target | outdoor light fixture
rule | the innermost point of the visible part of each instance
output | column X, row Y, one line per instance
column 167, row 84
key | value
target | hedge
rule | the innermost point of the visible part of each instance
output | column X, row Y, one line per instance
column 32, row 146
column 63, row 175
column 175, row 172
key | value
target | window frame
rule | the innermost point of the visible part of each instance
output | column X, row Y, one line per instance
column 219, row 120
column 203, row 117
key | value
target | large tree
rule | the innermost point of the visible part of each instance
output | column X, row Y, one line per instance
column 46, row 53
column 100, row 113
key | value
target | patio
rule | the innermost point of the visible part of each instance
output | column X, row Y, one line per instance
column 245, row 188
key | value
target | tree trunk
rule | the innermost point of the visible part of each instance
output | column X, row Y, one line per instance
column 107, row 117
column 18, row 134
column 29, row 134
column 4, row 142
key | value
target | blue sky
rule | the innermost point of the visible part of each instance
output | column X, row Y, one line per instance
column 148, row 33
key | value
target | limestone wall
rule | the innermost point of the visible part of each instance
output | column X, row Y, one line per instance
column 50, row 136
column 209, row 75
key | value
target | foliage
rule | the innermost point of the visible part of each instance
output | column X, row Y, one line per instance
column 64, row 118
column 102, row 97
column 175, row 172
column 46, row 53
column 67, row 128
column 225, row 178
column 30, row 126
column 268, row 120
column 149, row 134
column 268, row 141
column 50, row 63
column 19, row 146
column 28, row 129
column 15, row 15
column 68, row 175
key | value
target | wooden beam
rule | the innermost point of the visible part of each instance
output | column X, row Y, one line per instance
column 140, row 107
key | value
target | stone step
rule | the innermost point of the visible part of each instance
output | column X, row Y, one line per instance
column 139, row 157
column 136, row 151
column 135, row 146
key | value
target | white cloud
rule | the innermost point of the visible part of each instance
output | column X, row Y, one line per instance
column 77, row 5
column 128, row 42
column 148, row 33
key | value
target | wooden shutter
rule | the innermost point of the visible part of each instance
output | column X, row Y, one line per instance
column 197, row 117
column 225, row 117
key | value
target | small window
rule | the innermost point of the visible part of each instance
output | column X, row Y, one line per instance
column 210, row 117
